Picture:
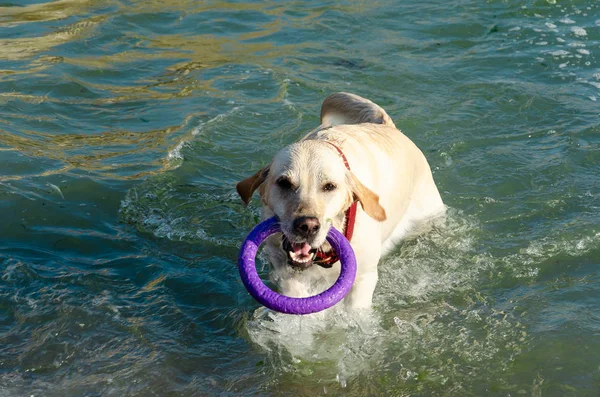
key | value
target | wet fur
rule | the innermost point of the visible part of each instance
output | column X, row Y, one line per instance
column 389, row 176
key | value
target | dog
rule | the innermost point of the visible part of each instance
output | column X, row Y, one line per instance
column 356, row 156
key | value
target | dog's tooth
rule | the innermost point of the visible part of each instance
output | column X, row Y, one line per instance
column 295, row 257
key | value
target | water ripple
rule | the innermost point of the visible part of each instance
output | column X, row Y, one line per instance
column 124, row 126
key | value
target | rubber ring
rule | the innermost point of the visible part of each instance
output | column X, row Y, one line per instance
column 285, row 304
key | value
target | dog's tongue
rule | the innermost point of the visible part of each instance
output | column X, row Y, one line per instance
column 301, row 248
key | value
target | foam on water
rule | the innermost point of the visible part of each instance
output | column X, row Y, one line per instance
column 334, row 344
column 150, row 206
column 561, row 36
column 577, row 31
column 434, row 262
column 411, row 316
column 526, row 264
column 432, row 321
column 175, row 156
column 428, row 306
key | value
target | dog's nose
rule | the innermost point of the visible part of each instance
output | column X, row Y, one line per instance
column 307, row 226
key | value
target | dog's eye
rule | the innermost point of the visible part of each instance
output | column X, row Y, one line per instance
column 329, row 187
column 284, row 183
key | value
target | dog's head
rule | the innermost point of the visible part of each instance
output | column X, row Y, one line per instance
column 308, row 187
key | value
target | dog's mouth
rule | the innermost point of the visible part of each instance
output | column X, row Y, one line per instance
column 299, row 255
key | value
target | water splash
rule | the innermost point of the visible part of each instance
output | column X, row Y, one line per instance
column 412, row 326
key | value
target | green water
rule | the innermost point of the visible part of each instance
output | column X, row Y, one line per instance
column 124, row 126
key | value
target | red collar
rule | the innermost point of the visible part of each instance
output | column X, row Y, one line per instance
column 327, row 259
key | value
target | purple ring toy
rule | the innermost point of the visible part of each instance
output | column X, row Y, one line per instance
column 286, row 304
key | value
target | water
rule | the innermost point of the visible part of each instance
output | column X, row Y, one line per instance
column 124, row 126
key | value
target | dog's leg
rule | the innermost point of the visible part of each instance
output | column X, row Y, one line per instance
column 366, row 243
column 294, row 288
column 361, row 295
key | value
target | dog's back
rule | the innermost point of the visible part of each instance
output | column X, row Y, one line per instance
column 383, row 158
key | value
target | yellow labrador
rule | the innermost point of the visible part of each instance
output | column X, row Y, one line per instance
column 356, row 155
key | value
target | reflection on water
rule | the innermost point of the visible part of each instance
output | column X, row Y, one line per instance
column 44, row 11
column 92, row 82
column 24, row 48
column 124, row 126
column 97, row 156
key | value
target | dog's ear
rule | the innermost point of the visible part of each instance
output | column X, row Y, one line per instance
column 368, row 200
column 247, row 187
